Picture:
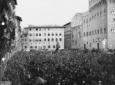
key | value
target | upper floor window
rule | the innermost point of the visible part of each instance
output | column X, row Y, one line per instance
column 48, row 39
column 114, row 19
column 45, row 39
column 52, row 39
column 56, row 39
column 39, row 39
column 53, row 46
column 60, row 39
column 36, row 34
column 30, row 29
column 97, row 31
column 49, row 46
column 36, row 29
column 105, row 30
column 39, row 34
column 48, row 34
column 31, row 46
column 60, row 34
column 25, row 46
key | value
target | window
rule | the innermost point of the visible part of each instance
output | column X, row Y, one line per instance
column 25, row 46
column 56, row 39
column 39, row 34
column 114, row 19
column 31, row 46
column 40, row 40
column 53, row 46
column 60, row 34
column 49, row 46
column 97, row 31
column 60, row 39
column 48, row 39
column 36, row 29
column 36, row 34
column 48, row 34
column 52, row 39
column 105, row 31
column 87, row 33
column 30, row 29
column 35, row 46
column 45, row 39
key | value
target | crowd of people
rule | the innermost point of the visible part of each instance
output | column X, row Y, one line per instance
column 65, row 67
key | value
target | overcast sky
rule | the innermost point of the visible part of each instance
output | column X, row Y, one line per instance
column 49, row 12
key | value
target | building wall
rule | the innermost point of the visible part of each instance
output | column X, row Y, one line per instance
column 111, row 23
column 76, row 25
column 67, row 36
column 45, row 37
column 85, row 29
column 95, row 26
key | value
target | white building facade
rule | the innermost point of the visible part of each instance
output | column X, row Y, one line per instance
column 44, row 37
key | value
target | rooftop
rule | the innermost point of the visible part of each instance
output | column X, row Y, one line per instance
column 45, row 26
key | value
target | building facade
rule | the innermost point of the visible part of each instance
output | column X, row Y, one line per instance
column 100, row 25
column 44, row 37
column 67, row 36
column 96, row 27
column 76, row 28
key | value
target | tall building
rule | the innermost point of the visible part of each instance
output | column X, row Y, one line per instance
column 97, row 26
column 76, row 30
column 67, row 36
column 100, row 25
column 44, row 37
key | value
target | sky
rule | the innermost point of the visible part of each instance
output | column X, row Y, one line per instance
column 49, row 12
